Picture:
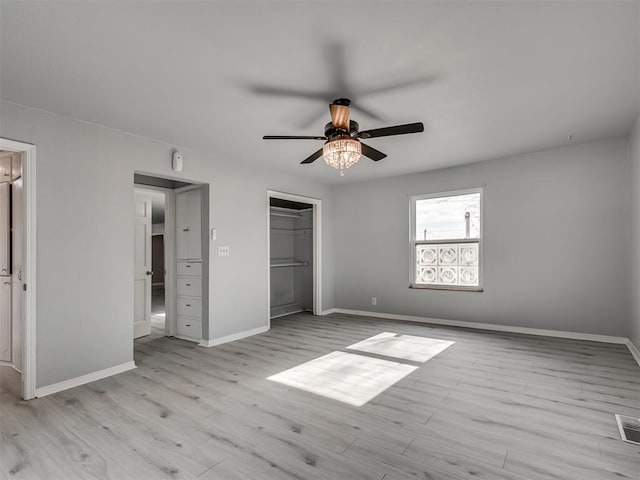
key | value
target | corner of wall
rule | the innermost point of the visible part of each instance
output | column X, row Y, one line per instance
column 634, row 284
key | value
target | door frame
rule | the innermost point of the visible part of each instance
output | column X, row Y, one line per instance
column 28, row 152
column 317, row 247
column 170, row 321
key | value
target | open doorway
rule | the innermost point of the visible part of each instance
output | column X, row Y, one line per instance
column 171, row 259
column 17, row 268
column 158, row 254
column 294, row 241
column 158, row 295
column 11, row 264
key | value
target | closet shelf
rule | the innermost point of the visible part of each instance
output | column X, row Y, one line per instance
column 288, row 263
column 288, row 215
column 285, row 212
column 293, row 231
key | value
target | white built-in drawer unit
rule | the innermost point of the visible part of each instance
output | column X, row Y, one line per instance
column 190, row 269
column 189, row 328
column 190, row 306
column 189, row 287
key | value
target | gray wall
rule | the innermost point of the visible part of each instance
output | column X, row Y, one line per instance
column 85, row 238
column 634, row 328
column 556, row 241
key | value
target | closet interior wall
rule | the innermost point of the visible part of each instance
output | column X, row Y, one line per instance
column 291, row 240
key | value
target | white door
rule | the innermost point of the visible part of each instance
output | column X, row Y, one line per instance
column 5, row 319
column 5, row 279
column 17, row 276
column 5, row 228
column 142, row 266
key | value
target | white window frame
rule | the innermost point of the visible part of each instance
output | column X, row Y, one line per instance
column 413, row 243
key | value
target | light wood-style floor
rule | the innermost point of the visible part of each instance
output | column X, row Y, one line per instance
column 491, row 406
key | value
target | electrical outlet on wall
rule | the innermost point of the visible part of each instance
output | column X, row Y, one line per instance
column 224, row 251
column 374, row 301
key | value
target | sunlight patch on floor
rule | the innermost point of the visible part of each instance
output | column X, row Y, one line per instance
column 346, row 377
column 407, row 347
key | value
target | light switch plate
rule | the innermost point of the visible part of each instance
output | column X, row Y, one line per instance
column 224, row 251
column 213, row 234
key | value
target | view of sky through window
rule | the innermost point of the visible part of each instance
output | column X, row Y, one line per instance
column 443, row 218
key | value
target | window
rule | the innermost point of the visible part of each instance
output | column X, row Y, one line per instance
column 446, row 235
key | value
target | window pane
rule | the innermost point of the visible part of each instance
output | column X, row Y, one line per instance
column 447, row 264
column 448, row 218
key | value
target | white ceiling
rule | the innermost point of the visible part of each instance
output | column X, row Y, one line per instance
column 488, row 79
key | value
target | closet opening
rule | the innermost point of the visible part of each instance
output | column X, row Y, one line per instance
column 294, row 253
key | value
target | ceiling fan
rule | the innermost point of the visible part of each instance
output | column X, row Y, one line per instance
column 342, row 135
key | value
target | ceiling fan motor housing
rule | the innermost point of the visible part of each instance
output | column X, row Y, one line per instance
column 332, row 132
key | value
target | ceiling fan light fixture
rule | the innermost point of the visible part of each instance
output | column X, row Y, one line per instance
column 341, row 153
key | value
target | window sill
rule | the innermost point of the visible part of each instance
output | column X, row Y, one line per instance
column 455, row 288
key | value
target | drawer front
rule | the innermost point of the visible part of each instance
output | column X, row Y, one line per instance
column 188, row 327
column 190, row 268
column 190, row 306
column 190, row 286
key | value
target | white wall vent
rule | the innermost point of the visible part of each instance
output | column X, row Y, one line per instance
column 629, row 429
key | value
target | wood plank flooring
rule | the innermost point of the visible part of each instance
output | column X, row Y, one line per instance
column 491, row 406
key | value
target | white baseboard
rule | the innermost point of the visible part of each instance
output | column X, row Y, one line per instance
column 82, row 379
column 485, row 326
column 288, row 313
column 634, row 351
column 233, row 337
column 187, row 339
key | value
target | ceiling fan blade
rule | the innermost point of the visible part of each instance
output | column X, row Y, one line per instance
column 289, row 92
column 313, row 157
column 306, row 121
column 372, row 153
column 369, row 113
column 292, row 137
column 336, row 66
column 395, row 130
column 428, row 79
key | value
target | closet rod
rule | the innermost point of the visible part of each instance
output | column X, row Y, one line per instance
column 292, row 230
column 294, row 263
